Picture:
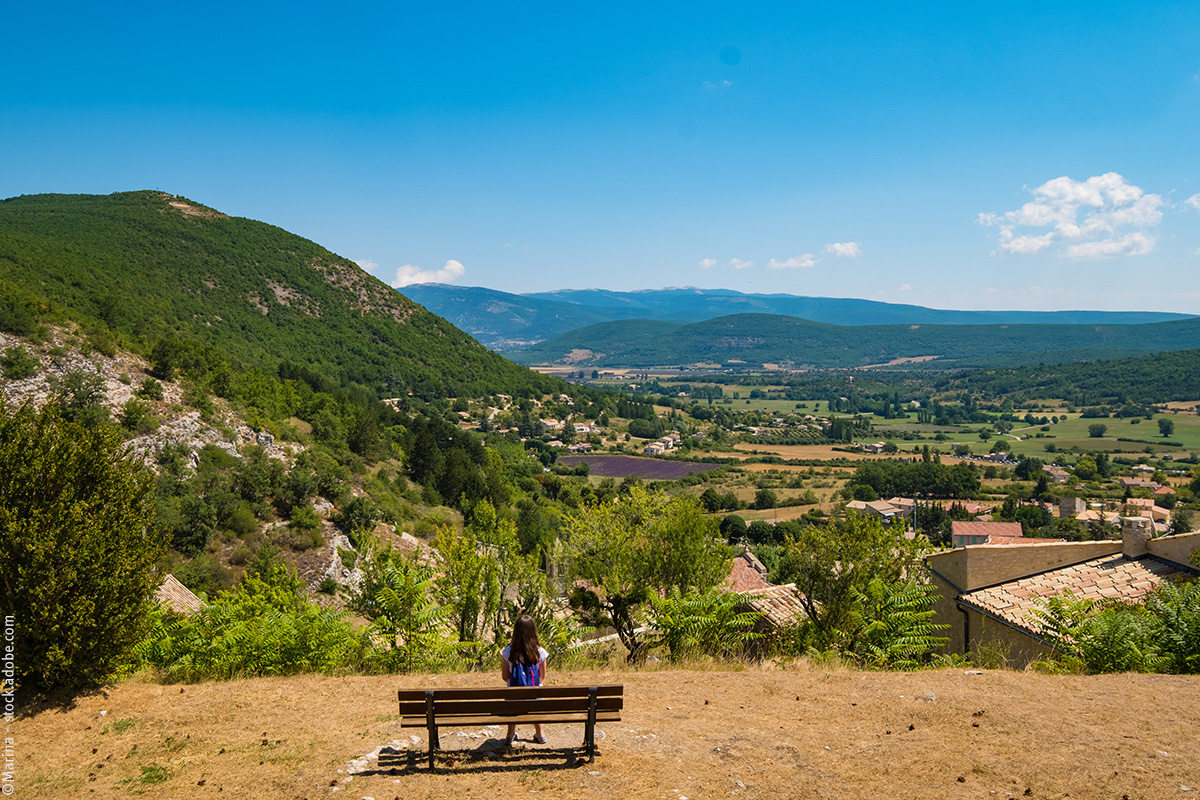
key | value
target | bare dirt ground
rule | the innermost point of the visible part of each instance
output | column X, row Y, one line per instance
column 803, row 732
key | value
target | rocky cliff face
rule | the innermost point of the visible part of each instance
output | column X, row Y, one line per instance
column 117, row 378
column 120, row 375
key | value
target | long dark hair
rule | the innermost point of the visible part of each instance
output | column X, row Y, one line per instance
column 525, row 645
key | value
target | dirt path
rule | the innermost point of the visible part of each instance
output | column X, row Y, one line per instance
column 790, row 734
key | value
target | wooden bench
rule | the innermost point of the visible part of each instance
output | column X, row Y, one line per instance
column 505, row 705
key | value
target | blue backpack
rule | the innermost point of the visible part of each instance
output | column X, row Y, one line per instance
column 524, row 675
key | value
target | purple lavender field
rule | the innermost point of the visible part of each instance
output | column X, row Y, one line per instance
column 651, row 469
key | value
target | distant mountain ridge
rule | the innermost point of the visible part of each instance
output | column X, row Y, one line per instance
column 752, row 340
column 507, row 322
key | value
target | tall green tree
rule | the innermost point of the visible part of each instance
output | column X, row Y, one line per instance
column 76, row 546
column 639, row 544
column 485, row 578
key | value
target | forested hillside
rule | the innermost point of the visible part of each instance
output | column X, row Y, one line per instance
column 757, row 339
column 144, row 265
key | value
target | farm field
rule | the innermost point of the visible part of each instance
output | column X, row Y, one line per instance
column 1073, row 432
column 650, row 469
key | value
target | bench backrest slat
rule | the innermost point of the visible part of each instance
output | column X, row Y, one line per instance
column 506, row 692
column 502, row 707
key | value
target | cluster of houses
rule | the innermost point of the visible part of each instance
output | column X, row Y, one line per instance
column 901, row 508
column 668, row 442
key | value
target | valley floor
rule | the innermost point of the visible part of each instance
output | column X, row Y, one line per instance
column 796, row 733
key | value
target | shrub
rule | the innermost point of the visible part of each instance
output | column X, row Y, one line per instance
column 303, row 518
column 76, row 547
column 204, row 574
column 150, row 389
column 262, row 627
column 18, row 364
column 132, row 413
column 242, row 521
column 241, row 554
column 359, row 515
column 298, row 539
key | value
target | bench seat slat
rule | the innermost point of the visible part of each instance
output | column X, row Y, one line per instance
column 471, row 721
column 445, row 708
column 509, row 691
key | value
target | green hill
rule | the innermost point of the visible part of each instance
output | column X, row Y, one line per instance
column 142, row 265
column 756, row 339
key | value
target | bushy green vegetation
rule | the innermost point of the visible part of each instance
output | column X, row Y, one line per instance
column 76, row 545
column 1160, row 635
column 629, row 550
column 851, row 577
column 263, row 626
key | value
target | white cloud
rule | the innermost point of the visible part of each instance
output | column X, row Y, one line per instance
column 1193, row 201
column 1088, row 219
column 906, row 287
column 1024, row 245
column 707, row 263
column 368, row 265
column 795, row 262
column 844, row 249
column 738, row 263
column 710, row 85
column 409, row 275
column 1131, row 244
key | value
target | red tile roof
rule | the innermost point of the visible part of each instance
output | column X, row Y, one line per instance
column 986, row 529
column 747, row 574
column 1112, row 577
column 779, row 605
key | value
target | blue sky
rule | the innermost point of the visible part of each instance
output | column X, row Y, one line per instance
column 1034, row 156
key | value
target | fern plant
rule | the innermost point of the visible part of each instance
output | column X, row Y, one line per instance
column 892, row 625
column 1175, row 608
column 409, row 630
column 701, row 623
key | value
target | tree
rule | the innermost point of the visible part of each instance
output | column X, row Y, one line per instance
column 1028, row 468
column 1085, row 468
column 636, row 545
column 830, row 565
column 1181, row 521
column 479, row 567
column 1166, row 426
column 76, row 545
column 765, row 498
column 1097, row 430
column 711, row 500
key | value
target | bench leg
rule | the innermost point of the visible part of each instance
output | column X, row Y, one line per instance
column 431, row 726
column 590, row 734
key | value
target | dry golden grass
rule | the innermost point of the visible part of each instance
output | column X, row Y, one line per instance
column 807, row 731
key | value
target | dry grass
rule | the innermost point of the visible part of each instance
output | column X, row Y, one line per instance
column 808, row 731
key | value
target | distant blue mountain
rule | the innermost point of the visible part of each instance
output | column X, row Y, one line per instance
column 507, row 322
